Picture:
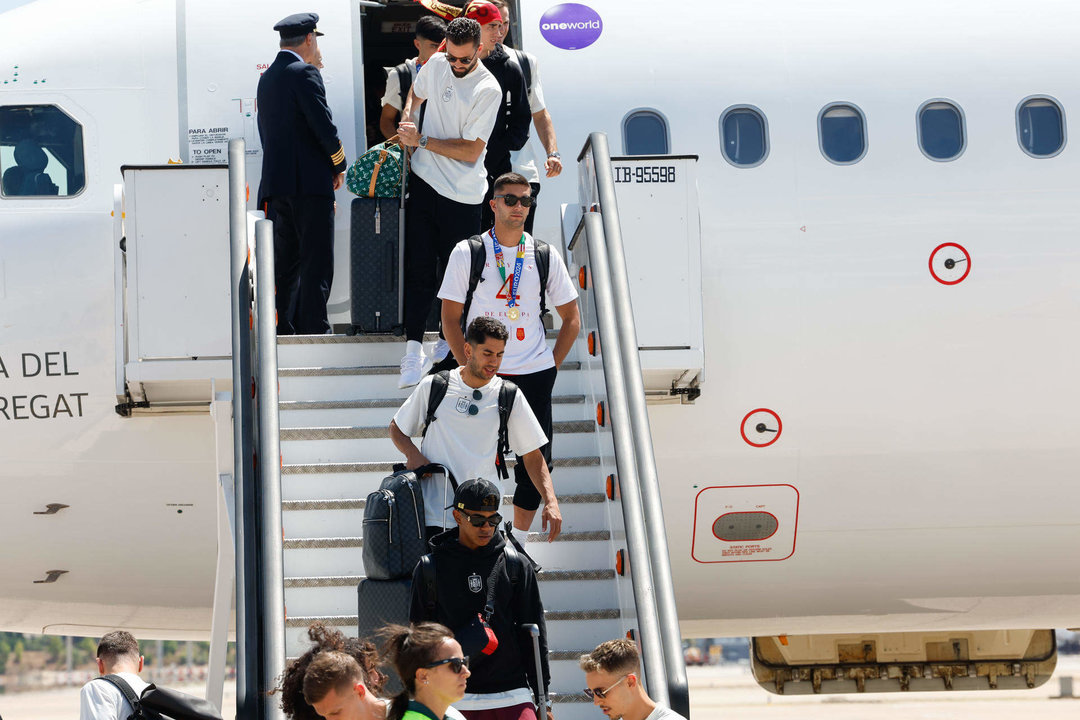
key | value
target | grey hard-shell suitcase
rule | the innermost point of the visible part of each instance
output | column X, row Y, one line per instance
column 377, row 261
column 394, row 534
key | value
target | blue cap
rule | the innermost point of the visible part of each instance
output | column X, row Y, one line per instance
column 298, row 24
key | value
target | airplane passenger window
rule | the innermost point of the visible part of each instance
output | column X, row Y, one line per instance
column 744, row 136
column 842, row 134
column 645, row 132
column 1040, row 127
column 41, row 152
column 941, row 130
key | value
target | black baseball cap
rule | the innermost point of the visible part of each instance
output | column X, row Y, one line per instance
column 476, row 495
column 298, row 24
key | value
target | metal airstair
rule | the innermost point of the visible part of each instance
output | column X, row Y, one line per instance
column 605, row 577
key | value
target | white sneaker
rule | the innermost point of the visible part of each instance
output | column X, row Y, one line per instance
column 442, row 349
column 412, row 370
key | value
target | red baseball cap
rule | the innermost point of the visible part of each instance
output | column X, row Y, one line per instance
column 483, row 12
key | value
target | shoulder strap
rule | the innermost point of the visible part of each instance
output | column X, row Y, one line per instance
column 404, row 81
column 440, row 381
column 515, row 552
column 507, row 396
column 542, row 252
column 526, row 69
column 493, row 579
column 121, row 684
column 427, row 570
column 477, row 258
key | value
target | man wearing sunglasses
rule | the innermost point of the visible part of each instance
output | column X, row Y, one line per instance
column 455, row 587
column 613, row 677
column 511, row 268
column 448, row 180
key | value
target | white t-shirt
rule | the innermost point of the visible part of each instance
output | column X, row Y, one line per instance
column 527, row 350
column 490, row 701
column 392, row 96
column 463, row 108
column 525, row 161
column 466, row 444
column 101, row 700
column 662, row 713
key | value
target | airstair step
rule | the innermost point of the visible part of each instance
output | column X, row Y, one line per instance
column 335, row 518
column 314, row 413
column 338, row 383
column 343, row 480
column 352, row 581
column 337, row 445
column 344, row 555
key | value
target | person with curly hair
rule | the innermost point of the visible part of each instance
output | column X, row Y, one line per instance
column 337, row 674
column 432, row 668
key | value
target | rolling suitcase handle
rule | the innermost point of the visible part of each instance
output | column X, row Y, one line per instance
column 541, row 691
column 401, row 240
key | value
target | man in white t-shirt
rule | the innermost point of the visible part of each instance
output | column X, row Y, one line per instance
column 449, row 180
column 524, row 160
column 463, row 435
column 430, row 32
column 528, row 361
column 117, row 654
column 613, row 679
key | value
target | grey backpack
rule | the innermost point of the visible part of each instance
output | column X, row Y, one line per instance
column 394, row 537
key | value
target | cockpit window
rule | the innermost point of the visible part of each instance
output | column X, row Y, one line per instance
column 645, row 132
column 1040, row 127
column 842, row 133
column 941, row 130
column 41, row 152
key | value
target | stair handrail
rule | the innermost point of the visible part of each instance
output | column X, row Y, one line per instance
column 609, row 268
column 260, row 602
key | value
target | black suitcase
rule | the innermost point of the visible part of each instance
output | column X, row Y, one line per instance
column 379, row 603
column 377, row 261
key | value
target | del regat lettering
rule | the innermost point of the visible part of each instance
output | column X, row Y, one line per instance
column 34, row 402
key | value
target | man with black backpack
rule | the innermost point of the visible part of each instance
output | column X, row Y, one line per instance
column 430, row 32
column 118, row 655
column 469, row 418
column 484, row 588
column 507, row 274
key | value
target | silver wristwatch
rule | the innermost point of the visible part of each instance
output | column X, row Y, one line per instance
column 555, row 155
column 423, row 142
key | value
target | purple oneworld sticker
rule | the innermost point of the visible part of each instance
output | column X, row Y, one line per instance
column 571, row 26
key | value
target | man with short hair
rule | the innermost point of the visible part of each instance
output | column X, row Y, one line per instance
column 512, row 270
column 448, row 181
column 117, row 654
column 613, row 680
column 303, row 165
column 524, row 160
column 464, row 434
column 430, row 32
column 469, row 567
column 334, row 685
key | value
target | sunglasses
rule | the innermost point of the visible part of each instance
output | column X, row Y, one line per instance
column 512, row 200
column 457, row 664
column 479, row 520
column 597, row 692
column 460, row 61
column 476, row 395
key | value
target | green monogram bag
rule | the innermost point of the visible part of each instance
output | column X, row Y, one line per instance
column 377, row 173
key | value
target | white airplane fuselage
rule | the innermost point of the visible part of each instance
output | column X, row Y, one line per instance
column 924, row 475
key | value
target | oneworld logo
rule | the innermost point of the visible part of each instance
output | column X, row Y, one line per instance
column 571, row 26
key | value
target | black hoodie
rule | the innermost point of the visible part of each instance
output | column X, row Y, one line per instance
column 511, row 666
column 511, row 130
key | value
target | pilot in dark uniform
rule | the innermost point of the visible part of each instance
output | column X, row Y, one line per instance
column 303, row 164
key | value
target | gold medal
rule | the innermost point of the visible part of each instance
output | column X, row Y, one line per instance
column 513, row 313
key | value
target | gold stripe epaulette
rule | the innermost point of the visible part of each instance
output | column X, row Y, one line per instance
column 338, row 157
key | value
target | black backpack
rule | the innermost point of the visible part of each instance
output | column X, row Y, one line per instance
column 404, row 81
column 394, row 532
column 162, row 703
column 526, row 68
column 440, row 381
column 477, row 259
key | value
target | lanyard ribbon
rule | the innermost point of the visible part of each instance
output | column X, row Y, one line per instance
column 518, row 263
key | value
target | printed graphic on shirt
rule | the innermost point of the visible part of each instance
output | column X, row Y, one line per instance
column 475, row 583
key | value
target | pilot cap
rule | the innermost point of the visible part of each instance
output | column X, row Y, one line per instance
column 298, row 24
column 477, row 494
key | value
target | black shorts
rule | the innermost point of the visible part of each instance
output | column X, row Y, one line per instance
column 537, row 388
